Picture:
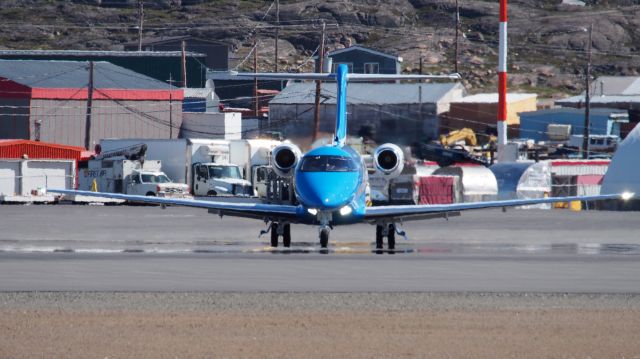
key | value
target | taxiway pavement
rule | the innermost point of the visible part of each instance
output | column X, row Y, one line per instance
column 123, row 248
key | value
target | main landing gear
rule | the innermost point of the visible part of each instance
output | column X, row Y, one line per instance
column 385, row 230
column 279, row 230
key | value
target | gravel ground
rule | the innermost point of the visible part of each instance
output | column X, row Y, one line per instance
column 317, row 325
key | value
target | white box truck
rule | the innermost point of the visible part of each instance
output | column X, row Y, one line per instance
column 254, row 158
column 209, row 166
column 137, row 177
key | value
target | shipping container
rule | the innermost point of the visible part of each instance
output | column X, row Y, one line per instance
column 439, row 189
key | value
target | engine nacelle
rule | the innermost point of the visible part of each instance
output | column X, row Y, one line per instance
column 389, row 159
column 285, row 158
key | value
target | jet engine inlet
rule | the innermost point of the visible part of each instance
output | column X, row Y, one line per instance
column 389, row 159
column 285, row 159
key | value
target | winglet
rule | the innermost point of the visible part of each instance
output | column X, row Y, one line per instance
column 341, row 106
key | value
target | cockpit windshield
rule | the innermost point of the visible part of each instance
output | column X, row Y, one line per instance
column 328, row 164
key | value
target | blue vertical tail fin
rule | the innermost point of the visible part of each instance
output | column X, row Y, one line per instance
column 341, row 106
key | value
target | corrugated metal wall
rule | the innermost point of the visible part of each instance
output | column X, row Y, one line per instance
column 63, row 121
column 42, row 151
column 392, row 123
column 14, row 118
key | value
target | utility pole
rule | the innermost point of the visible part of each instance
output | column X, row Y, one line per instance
column 316, row 113
column 587, row 100
column 256, row 105
column 184, row 64
column 87, row 124
column 277, row 33
column 140, row 21
column 455, row 69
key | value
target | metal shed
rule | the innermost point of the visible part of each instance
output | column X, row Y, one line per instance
column 47, row 100
column 23, row 180
column 395, row 112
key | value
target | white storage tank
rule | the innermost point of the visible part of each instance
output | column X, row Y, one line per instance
column 478, row 183
column 523, row 180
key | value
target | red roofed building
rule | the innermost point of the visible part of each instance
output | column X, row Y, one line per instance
column 17, row 149
column 47, row 100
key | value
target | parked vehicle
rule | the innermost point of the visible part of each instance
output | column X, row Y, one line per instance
column 137, row 177
column 211, row 167
column 254, row 159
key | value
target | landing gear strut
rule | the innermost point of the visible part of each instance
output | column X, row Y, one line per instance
column 280, row 229
column 388, row 231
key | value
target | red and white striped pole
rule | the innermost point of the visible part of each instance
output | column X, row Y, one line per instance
column 502, row 81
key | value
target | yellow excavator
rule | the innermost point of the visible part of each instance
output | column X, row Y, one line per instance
column 450, row 151
column 456, row 136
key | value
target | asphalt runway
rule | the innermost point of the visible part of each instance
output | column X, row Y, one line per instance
column 138, row 248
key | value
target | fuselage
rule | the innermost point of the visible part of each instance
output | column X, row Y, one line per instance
column 332, row 179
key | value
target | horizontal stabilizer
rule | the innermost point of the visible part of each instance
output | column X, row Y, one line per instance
column 332, row 76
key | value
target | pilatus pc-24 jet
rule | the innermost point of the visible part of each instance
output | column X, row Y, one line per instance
column 330, row 181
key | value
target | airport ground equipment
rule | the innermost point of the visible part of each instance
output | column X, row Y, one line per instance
column 465, row 134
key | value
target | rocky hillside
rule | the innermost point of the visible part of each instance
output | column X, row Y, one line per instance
column 547, row 39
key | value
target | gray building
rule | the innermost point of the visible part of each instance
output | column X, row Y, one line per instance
column 619, row 92
column 603, row 121
column 47, row 101
column 167, row 65
column 217, row 53
column 393, row 112
column 363, row 60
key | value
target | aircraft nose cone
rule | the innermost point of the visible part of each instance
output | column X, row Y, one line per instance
column 326, row 190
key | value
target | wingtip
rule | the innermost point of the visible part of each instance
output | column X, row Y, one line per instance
column 625, row 196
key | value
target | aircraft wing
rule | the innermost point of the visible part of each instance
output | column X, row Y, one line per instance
column 247, row 210
column 414, row 212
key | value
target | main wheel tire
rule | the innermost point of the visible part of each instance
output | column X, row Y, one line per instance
column 211, row 193
column 274, row 235
column 286, row 236
column 150, row 194
column 379, row 237
column 324, row 238
column 391, row 237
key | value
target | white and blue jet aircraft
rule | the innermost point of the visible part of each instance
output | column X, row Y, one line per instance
column 330, row 181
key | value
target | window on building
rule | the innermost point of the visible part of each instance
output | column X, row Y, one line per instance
column 336, row 64
column 371, row 68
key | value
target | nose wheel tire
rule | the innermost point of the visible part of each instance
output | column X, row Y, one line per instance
column 286, row 236
column 274, row 235
column 324, row 237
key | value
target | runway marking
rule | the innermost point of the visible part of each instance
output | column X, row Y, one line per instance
column 349, row 248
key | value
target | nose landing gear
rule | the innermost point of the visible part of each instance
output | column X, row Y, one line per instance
column 324, row 236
